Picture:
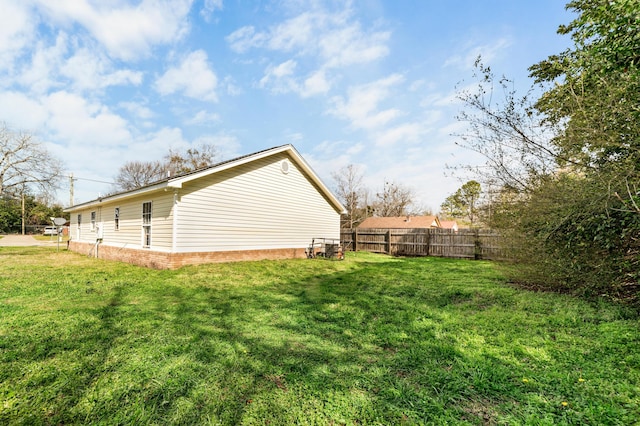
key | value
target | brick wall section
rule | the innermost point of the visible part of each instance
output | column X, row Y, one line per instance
column 164, row 260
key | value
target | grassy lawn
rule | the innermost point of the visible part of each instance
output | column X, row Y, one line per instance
column 369, row 340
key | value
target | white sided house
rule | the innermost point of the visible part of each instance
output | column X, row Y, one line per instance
column 266, row 205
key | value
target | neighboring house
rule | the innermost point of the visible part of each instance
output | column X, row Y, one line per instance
column 400, row 222
column 449, row 224
column 266, row 205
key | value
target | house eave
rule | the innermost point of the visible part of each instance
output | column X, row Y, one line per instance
column 116, row 197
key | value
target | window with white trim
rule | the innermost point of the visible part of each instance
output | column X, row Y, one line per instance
column 93, row 221
column 146, row 224
column 116, row 218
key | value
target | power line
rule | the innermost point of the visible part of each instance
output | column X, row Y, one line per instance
column 92, row 180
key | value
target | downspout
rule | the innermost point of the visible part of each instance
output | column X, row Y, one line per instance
column 174, row 232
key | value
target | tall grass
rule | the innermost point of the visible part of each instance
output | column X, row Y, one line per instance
column 369, row 340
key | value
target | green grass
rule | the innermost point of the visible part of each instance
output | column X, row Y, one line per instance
column 369, row 340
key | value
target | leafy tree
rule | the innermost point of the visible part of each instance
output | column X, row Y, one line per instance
column 595, row 97
column 394, row 200
column 10, row 215
column 463, row 204
column 36, row 213
column 573, row 184
column 26, row 163
column 352, row 193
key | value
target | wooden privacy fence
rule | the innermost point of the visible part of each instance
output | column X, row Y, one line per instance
column 464, row 243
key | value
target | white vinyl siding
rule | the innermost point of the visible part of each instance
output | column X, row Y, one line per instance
column 130, row 223
column 254, row 206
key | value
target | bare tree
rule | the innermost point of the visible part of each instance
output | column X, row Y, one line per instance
column 394, row 200
column 199, row 157
column 135, row 174
column 25, row 163
column 508, row 131
column 350, row 190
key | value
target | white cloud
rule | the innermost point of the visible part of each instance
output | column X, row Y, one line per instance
column 293, row 137
column 86, row 69
column 204, row 118
column 16, row 30
column 137, row 109
column 192, row 77
column 315, row 84
column 244, row 39
column 278, row 78
column 282, row 79
column 316, row 40
column 361, row 107
column 209, row 8
column 350, row 45
column 440, row 100
column 472, row 50
column 22, row 111
column 406, row 132
column 90, row 71
column 76, row 121
column 228, row 145
column 283, row 70
column 295, row 33
column 127, row 32
column 40, row 75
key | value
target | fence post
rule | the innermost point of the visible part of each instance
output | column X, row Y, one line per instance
column 427, row 245
column 355, row 239
column 389, row 241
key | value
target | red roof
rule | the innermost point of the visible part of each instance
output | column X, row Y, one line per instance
column 401, row 222
column 449, row 224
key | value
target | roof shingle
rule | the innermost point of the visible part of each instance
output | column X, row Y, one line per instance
column 399, row 222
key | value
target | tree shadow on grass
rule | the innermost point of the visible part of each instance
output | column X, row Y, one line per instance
column 347, row 346
column 368, row 343
column 62, row 362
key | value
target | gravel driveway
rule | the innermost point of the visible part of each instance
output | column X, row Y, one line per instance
column 14, row 240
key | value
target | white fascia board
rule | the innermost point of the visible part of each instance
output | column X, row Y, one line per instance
column 147, row 189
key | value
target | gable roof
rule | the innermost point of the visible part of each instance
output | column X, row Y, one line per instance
column 449, row 224
column 176, row 182
column 398, row 222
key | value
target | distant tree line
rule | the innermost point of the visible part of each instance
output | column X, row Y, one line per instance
column 37, row 214
column 29, row 176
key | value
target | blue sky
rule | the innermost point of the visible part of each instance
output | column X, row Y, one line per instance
column 369, row 83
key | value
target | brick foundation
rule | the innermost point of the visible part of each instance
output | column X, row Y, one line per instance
column 165, row 260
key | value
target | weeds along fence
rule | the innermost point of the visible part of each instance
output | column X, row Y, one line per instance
column 464, row 243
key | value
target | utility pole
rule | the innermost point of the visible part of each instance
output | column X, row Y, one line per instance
column 23, row 227
column 71, row 190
